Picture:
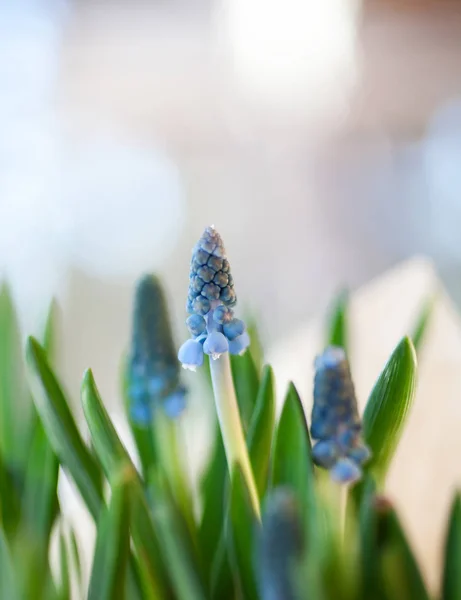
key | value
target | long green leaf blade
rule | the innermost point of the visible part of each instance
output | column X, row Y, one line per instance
column 244, row 530
column 40, row 500
column 110, row 561
column 261, row 430
column 64, row 592
column 255, row 348
column 337, row 330
column 40, row 495
column 109, row 449
column 451, row 586
column 14, row 403
column 61, row 429
column 9, row 501
column 292, row 458
column 76, row 563
column 212, row 489
column 176, row 543
column 400, row 574
column 388, row 407
column 246, row 382
column 114, row 458
column 424, row 318
column 9, row 585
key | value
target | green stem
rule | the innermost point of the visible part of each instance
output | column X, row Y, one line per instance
column 231, row 425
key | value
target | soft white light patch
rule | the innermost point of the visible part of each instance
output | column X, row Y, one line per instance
column 294, row 52
column 125, row 207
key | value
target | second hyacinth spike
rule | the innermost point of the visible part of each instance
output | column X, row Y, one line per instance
column 335, row 423
column 153, row 370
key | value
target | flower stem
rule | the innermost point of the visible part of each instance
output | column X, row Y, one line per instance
column 231, row 425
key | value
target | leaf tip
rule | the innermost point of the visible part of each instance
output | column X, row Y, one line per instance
column 406, row 350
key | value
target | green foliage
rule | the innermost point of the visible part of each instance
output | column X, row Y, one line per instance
column 110, row 559
column 388, row 407
column 337, row 331
column 292, row 461
column 451, row 589
column 422, row 323
column 153, row 540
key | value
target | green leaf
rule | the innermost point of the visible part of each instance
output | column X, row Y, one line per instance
column 142, row 435
column 337, row 334
column 150, row 554
column 261, row 430
column 400, row 574
column 40, row 500
column 255, row 349
column 388, row 407
column 15, row 405
column 75, row 555
column 244, row 530
column 114, row 458
column 110, row 561
column 9, row 587
column 170, row 453
column 212, row 491
column 246, row 382
column 49, row 335
column 40, row 504
column 61, row 429
column 109, row 449
column 9, row 501
column 176, row 543
column 292, row 459
column 451, row 585
column 368, row 529
column 65, row 583
column 421, row 325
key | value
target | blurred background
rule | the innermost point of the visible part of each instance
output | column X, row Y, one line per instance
column 323, row 139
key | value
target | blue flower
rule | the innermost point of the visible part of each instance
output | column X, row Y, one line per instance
column 335, row 422
column 196, row 325
column 209, row 303
column 345, row 470
column 175, row 403
column 216, row 344
column 240, row 344
column 325, row 453
column 191, row 354
column 233, row 329
column 141, row 412
column 280, row 546
column 153, row 368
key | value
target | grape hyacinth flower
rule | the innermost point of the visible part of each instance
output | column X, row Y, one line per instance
column 215, row 331
column 211, row 323
column 280, row 545
column 153, row 370
column 335, row 420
